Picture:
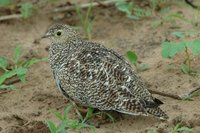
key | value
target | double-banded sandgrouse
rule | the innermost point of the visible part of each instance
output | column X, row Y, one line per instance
column 90, row 74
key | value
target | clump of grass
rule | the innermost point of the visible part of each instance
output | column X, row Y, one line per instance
column 87, row 21
column 67, row 123
column 133, row 58
column 189, row 47
column 18, row 67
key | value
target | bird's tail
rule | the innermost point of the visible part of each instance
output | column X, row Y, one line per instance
column 157, row 112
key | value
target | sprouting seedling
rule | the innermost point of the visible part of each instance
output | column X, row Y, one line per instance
column 68, row 123
column 133, row 58
column 190, row 96
column 190, row 48
column 18, row 67
column 86, row 21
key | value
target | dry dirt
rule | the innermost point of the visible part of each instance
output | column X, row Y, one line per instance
column 27, row 109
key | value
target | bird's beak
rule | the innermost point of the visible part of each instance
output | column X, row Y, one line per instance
column 46, row 35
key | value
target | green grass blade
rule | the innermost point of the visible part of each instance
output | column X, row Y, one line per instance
column 10, row 87
column 51, row 127
column 17, row 54
column 132, row 57
column 30, row 62
column 17, row 71
column 3, row 63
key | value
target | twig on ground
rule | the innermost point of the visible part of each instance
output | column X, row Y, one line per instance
column 166, row 94
column 62, row 9
column 93, row 4
column 190, row 2
column 12, row 16
column 194, row 90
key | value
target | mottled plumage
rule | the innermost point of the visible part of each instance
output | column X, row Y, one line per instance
column 93, row 75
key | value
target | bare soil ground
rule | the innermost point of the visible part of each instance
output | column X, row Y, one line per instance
column 26, row 109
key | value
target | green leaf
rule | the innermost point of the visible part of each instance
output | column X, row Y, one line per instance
column 30, row 62
column 170, row 49
column 10, row 87
column 185, row 129
column 156, row 23
column 5, row 2
column 58, row 115
column 52, row 127
column 20, row 72
column 178, row 34
column 185, row 68
column 3, row 63
column 26, row 9
column 17, row 54
column 132, row 57
column 89, row 114
column 67, row 110
column 124, row 6
column 194, row 46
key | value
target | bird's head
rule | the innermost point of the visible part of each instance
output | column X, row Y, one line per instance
column 60, row 34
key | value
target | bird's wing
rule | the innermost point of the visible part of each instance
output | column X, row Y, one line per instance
column 101, row 78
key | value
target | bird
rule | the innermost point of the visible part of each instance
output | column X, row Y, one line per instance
column 92, row 75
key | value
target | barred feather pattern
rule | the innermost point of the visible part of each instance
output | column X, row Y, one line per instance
column 93, row 75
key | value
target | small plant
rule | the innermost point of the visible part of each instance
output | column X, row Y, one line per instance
column 18, row 68
column 190, row 96
column 67, row 123
column 86, row 21
column 190, row 48
column 178, row 128
column 133, row 58
column 26, row 9
column 125, row 7
column 132, row 11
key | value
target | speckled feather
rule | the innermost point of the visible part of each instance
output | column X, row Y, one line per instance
column 93, row 75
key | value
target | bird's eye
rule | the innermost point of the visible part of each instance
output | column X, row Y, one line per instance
column 58, row 33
